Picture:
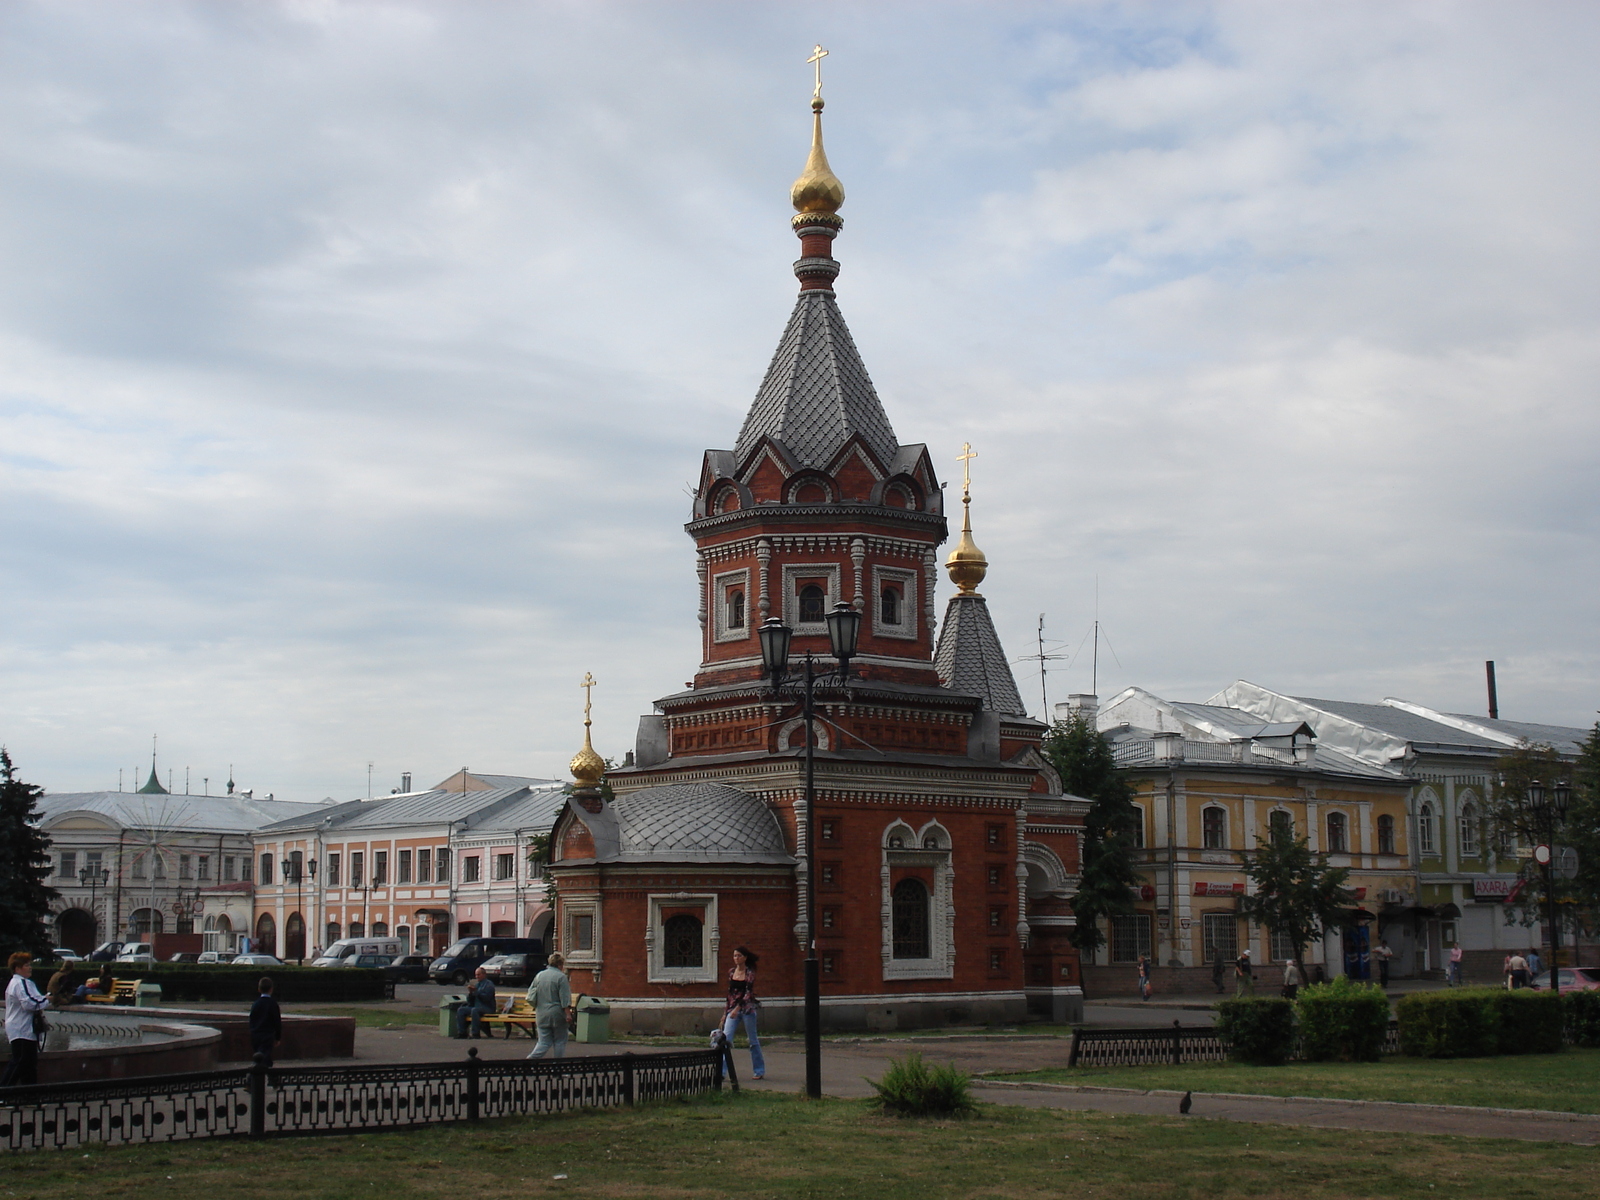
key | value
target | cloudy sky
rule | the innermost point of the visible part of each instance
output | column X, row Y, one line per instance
column 355, row 358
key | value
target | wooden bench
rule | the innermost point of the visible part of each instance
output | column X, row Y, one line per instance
column 123, row 991
column 515, row 1016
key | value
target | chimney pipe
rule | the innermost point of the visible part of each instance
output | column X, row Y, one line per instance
column 405, row 781
column 1494, row 697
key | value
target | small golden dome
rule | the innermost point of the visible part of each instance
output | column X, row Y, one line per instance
column 587, row 767
column 818, row 189
column 966, row 564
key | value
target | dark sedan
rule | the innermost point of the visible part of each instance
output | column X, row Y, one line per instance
column 512, row 969
column 411, row 968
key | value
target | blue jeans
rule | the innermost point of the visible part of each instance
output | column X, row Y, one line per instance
column 552, row 1029
column 474, row 1011
column 730, row 1026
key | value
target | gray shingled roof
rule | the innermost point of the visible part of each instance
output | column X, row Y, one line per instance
column 816, row 393
column 694, row 822
column 970, row 659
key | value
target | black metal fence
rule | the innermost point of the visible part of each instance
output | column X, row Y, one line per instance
column 1173, row 1045
column 256, row 1102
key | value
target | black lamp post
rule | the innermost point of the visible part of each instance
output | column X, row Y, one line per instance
column 1549, row 805
column 844, row 629
column 297, row 871
column 94, row 880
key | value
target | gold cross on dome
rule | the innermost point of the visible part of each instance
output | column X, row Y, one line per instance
column 588, row 685
column 964, row 458
column 817, row 56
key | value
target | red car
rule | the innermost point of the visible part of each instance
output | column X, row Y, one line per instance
column 1573, row 979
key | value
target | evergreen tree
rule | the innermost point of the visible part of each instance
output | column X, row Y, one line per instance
column 1297, row 894
column 1106, row 876
column 24, row 866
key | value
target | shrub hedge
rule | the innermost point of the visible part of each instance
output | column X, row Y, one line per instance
column 1582, row 1013
column 1477, row 1022
column 1342, row 1021
column 1258, row 1030
column 188, row 981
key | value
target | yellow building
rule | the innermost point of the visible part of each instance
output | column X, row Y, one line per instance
column 1210, row 784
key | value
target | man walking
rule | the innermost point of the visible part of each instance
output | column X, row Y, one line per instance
column 1383, row 954
column 551, row 997
column 266, row 1022
column 480, row 1000
column 1244, row 976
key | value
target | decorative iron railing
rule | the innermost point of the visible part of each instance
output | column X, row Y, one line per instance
column 257, row 1102
column 1174, row 1045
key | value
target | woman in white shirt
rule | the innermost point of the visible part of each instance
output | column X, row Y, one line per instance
column 23, row 1002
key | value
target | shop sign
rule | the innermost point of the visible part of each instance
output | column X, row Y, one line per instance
column 1496, row 889
column 1219, row 889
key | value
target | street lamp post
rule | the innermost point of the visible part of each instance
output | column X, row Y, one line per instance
column 297, row 872
column 1549, row 805
column 94, row 881
column 844, row 628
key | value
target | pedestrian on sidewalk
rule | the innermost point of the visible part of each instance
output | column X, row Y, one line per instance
column 1293, row 980
column 1244, row 976
column 1218, row 969
column 1519, row 972
column 480, row 1000
column 743, row 1006
column 1383, row 954
column 1144, row 977
column 1533, row 963
column 1452, row 976
column 25, row 1005
column 266, row 1021
column 551, row 997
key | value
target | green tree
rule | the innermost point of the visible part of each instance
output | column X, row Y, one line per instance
column 24, row 866
column 1297, row 894
column 1583, row 833
column 1106, row 875
column 1510, row 823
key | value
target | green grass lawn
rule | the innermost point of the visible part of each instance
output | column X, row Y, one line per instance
column 1566, row 1082
column 759, row 1146
column 375, row 1017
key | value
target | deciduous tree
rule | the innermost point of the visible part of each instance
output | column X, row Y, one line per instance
column 1297, row 894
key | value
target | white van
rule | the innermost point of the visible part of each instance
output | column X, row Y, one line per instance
column 346, row 951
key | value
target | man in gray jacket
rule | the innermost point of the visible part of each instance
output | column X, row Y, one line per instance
column 551, row 997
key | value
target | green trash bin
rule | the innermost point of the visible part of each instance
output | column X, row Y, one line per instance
column 448, row 1004
column 594, row 1020
column 147, row 995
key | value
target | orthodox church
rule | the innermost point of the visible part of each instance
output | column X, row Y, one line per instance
column 945, row 850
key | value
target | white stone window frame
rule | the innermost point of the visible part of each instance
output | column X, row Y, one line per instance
column 721, row 585
column 1348, row 823
column 792, row 574
column 655, row 939
column 582, row 905
column 907, row 579
column 941, row 961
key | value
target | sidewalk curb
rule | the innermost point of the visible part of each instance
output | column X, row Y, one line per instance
column 1532, row 1114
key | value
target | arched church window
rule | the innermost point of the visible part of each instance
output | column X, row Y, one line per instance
column 736, row 609
column 909, row 913
column 813, row 605
column 889, row 606
column 682, row 944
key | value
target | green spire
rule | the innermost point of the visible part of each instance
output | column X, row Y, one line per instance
column 153, row 787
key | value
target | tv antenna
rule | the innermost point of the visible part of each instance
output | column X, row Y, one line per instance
column 1097, row 633
column 1043, row 655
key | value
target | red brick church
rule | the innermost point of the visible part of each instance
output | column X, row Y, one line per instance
column 945, row 853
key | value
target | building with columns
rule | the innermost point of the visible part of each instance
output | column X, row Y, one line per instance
column 945, row 850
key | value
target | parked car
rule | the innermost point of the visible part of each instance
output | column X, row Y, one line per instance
column 185, row 956
column 255, row 960
column 457, row 964
column 106, row 952
column 514, row 969
column 346, row 951
column 412, row 968
column 139, row 953
column 211, row 956
column 66, row 955
column 1573, row 979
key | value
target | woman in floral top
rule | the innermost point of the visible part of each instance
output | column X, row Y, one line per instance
column 742, row 1006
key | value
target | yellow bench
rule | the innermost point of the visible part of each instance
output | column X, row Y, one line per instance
column 123, row 991
column 516, row 1015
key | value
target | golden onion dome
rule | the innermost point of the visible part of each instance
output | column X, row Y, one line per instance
column 818, row 189
column 587, row 767
column 966, row 564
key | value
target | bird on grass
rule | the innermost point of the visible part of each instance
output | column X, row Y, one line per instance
column 1186, row 1102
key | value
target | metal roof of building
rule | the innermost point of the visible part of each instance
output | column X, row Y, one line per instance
column 971, row 660
column 176, row 813
column 1408, row 726
column 537, row 810
column 686, row 822
column 817, row 394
